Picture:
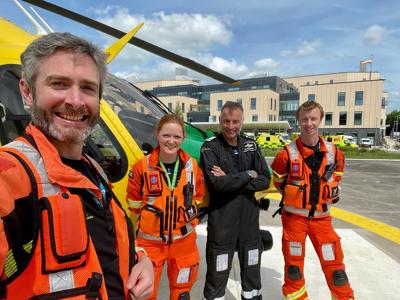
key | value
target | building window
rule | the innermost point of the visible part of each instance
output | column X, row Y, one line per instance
column 170, row 105
column 359, row 98
column 357, row 118
column 383, row 102
column 239, row 100
column 331, row 81
column 253, row 103
column 275, row 104
column 142, row 109
column 316, row 81
column 270, row 104
column 328, row 119
column 311, row 97
column 219, row 105
column 341, row 98
column 254, row 118
column 343, row 118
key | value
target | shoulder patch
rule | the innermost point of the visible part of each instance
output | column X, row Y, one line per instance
column 210, row 138
column 5, row 164
column 249, row 146
column 205, row 148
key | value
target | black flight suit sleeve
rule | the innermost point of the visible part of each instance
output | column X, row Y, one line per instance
column 264, row 176
column 230, row 182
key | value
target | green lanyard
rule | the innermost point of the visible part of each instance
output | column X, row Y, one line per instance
column 171, row 185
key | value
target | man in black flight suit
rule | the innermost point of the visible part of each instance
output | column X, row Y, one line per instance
column 234, row 170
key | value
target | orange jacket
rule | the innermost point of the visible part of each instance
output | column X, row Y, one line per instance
column 163, row 214
column 292, row 176
column 61, row 257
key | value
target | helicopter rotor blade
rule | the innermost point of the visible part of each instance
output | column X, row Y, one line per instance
column 188, row 63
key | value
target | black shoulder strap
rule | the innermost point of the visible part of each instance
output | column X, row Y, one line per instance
column 133, row 257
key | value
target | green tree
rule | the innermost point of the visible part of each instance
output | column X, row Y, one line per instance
column 391, row 118
column 178, row 110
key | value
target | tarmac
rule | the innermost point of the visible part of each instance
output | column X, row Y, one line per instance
column 368, row 220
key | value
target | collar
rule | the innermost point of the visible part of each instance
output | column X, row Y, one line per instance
column 223, row 141
column 307, row 151
column 153, row 157
column 57, row 171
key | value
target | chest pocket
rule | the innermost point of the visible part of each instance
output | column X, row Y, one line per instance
column 64, row 236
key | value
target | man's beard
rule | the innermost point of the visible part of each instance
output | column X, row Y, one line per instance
column 68, row 134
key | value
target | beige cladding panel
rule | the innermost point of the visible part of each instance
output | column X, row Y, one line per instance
column 327, row 96
column 263, row 103
column 332, row 78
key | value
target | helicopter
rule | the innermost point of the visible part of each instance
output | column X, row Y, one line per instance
column 128, row 115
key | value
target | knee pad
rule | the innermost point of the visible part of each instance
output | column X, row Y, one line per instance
column 339, row 278
column 184, row 296
column 294, row 273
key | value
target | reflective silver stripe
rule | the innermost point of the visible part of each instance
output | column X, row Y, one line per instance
column 147, row 236
column 330, row 156
column 36, row 160
column 305, row 212
column 219, row 298
column 60, row 281
column 294, row 154
column 251, row 294
column 151, row 200
column 189, row 173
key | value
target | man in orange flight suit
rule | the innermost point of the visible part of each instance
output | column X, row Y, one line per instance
column 307, row 172
column 62, row 232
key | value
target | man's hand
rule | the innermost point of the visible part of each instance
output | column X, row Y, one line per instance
column 217, row 171
column 141, row 280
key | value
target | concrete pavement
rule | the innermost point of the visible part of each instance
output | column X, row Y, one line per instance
column 373, row 274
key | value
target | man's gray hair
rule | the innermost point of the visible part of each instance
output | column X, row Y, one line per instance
column 231, row 105
column 48, row 44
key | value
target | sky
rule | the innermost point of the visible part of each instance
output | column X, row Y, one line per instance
column 243, row 39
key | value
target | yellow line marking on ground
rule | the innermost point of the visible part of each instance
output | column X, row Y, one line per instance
column 384, row 230
column 387, row 231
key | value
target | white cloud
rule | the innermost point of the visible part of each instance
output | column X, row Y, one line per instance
column 285, row 53
column 190, row 35
column 305, row 48
column 374, row 35
column 266, row 64
column 179, row 32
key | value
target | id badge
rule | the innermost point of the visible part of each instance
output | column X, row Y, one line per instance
column 296, row 169
column 154, row 182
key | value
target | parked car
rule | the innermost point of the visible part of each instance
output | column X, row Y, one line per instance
column 366, row 142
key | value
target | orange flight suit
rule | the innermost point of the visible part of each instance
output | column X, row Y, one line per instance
column 308, row 193
column 57, row 258
column 167, row 219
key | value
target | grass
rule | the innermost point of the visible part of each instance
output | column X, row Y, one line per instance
column 361, row 153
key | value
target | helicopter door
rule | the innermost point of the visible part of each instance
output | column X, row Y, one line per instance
column 13, row 117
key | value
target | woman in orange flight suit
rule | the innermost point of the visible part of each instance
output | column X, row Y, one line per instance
column 163, row 190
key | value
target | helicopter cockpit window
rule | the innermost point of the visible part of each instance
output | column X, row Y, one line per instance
column 13, row 117
column 105, row 149
column 138, row 113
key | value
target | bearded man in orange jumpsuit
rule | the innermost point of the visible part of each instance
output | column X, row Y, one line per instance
column 307, row 172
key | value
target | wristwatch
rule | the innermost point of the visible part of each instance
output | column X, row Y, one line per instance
column 251, row 174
